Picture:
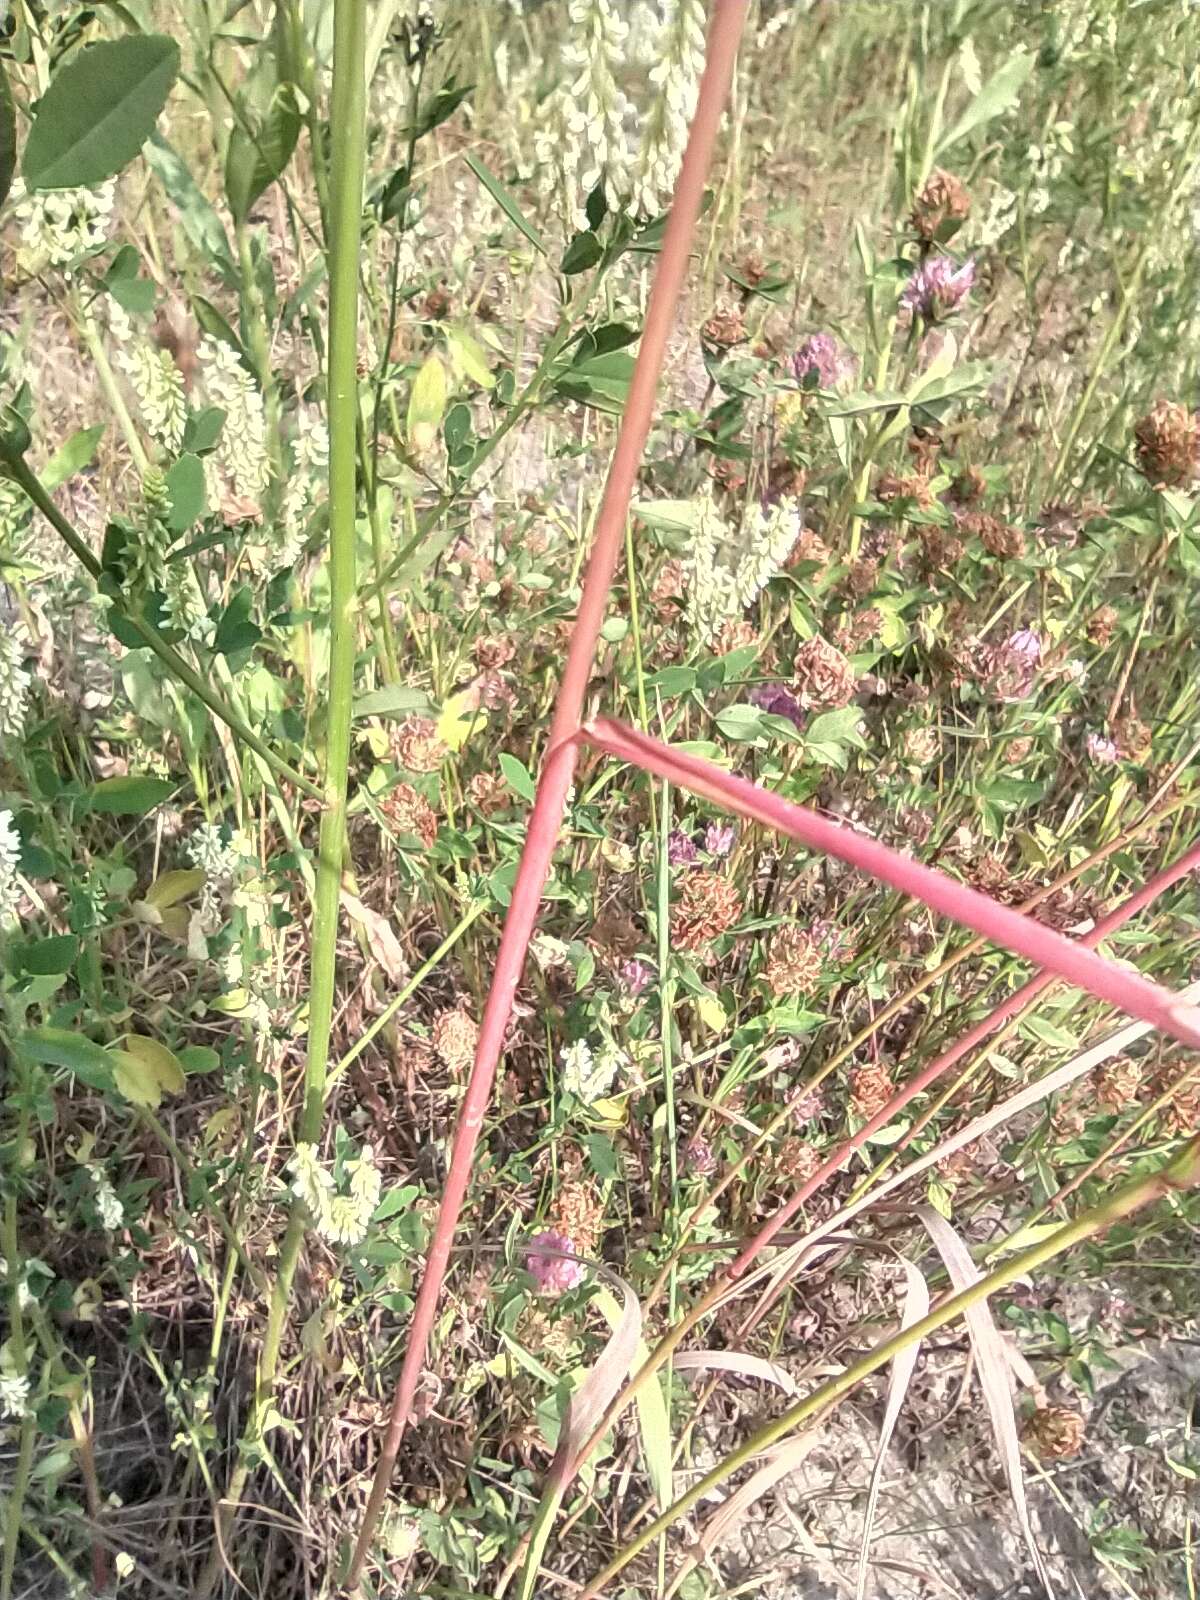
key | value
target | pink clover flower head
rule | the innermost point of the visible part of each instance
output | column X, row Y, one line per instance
column 820, row 362
column 681, row 850
column 1025, row 645
column 635, row 975
column 937, row 288
column 1102, row 751
column 549, row 1258
column 719, row 838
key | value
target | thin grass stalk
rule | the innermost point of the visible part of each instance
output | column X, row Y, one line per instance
column 562, row 747
column 1182, row 1172
column 348, row 119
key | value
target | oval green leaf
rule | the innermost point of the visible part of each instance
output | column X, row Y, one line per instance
column 131, row 796
column 99, row 111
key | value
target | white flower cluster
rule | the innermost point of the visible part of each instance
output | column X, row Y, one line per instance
column 14, row 1394
column 242, row 448
column 10, row 855
column 675, row 77
column 582, row 132
column 588, row 1074
column 219, row 859
column 14, row 685
column 57, row 225
column 340, row 1218
column 306, row 485
column 158, row 384
column 718, row 589
column 108, row 1203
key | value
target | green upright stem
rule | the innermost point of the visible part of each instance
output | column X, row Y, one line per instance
column 1180, row 1173
column 348, row 118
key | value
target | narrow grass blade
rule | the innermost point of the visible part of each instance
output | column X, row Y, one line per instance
column 587, row 1406
column 784, row 1459
column 654, row 1426
column 916, row 1305
column 743, row 1366
column 994, row 1370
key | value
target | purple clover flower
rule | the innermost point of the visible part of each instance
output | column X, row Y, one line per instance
column 820, row 362
column 719, row 838
column 1102, row 751
column 699, row 1157
column 1025, row 645
column 635, row 975
column 937, row 288
column 546, row 1257
column 681, row 849
column 778, row 700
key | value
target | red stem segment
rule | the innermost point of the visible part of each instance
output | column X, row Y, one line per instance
column 1063, row 957
column 559, row 765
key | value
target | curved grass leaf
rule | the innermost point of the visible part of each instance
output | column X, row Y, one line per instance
column 99, row 111
column 916, row 1305
column 252, row 165
column 196, row 217
column 994, row 1368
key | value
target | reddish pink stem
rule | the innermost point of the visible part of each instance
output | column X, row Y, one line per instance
column 558, row 768
column 1025, row 935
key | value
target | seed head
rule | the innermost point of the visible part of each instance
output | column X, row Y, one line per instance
column 409, row 812
column 1055, row 1432
column 1167, row 444
column 1102, row 625
column 418, row 747
column 941, row 208
column 707, row 907
column 455, row 1034
column 795, row 961
column 1118, row 1082
column 823, row 675
column 871, row 1088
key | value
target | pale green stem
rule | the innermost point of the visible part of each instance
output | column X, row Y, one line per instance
column 348, row 120
column 112, row 390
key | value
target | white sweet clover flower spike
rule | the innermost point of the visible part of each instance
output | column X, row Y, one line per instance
column 306, row 485
column 14, row 1395
column 591, row 108
column 219, row 860
column 312, row 1182
column 14, row 686
column 710, row 597
column 108, row 1204
column 586, row 1074
column 675, row 77
column 57, row 225
column 241, row 451
column 158, row 384
column 772, row 534
column 366, row 1183
column 10, row 856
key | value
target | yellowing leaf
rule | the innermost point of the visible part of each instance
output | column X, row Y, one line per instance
column 144, row 1070
column 612, row 1113
column 426, row 405
column 711, row 1013
column 170, row 887
column 460, row 715
column 468, row 357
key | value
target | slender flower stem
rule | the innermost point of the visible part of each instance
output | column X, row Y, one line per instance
column 16, row 469
column 562, row 747
column 1180, row 1173
column 348, row 118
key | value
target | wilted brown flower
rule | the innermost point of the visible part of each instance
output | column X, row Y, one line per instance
column 939, row 549
column 578, row 1211
column 794, row 961
column 1017, row 749
column 998, row 538
column 904, row 486
column 1102, row 625
column 862, row 576
column 489, row 792
column 1055, row 1432
column 809, row 546
column 728, row 474
column 1168, row 445
column 823, row 675
column 493, row 651
column 669, row 588
column 495, row 691
column 924, row 447
column 968, row 487
column 734, row 634
column 871, row 1088
column 707, row 907
column 455, row 1034
column 1118, row 1082
column 417, row 745
column 941, row 207
column 724, row 329
column 796, row 1160
column 1181, row 1114
column 409, row 812
column 921, row 746
column 1133, row 738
